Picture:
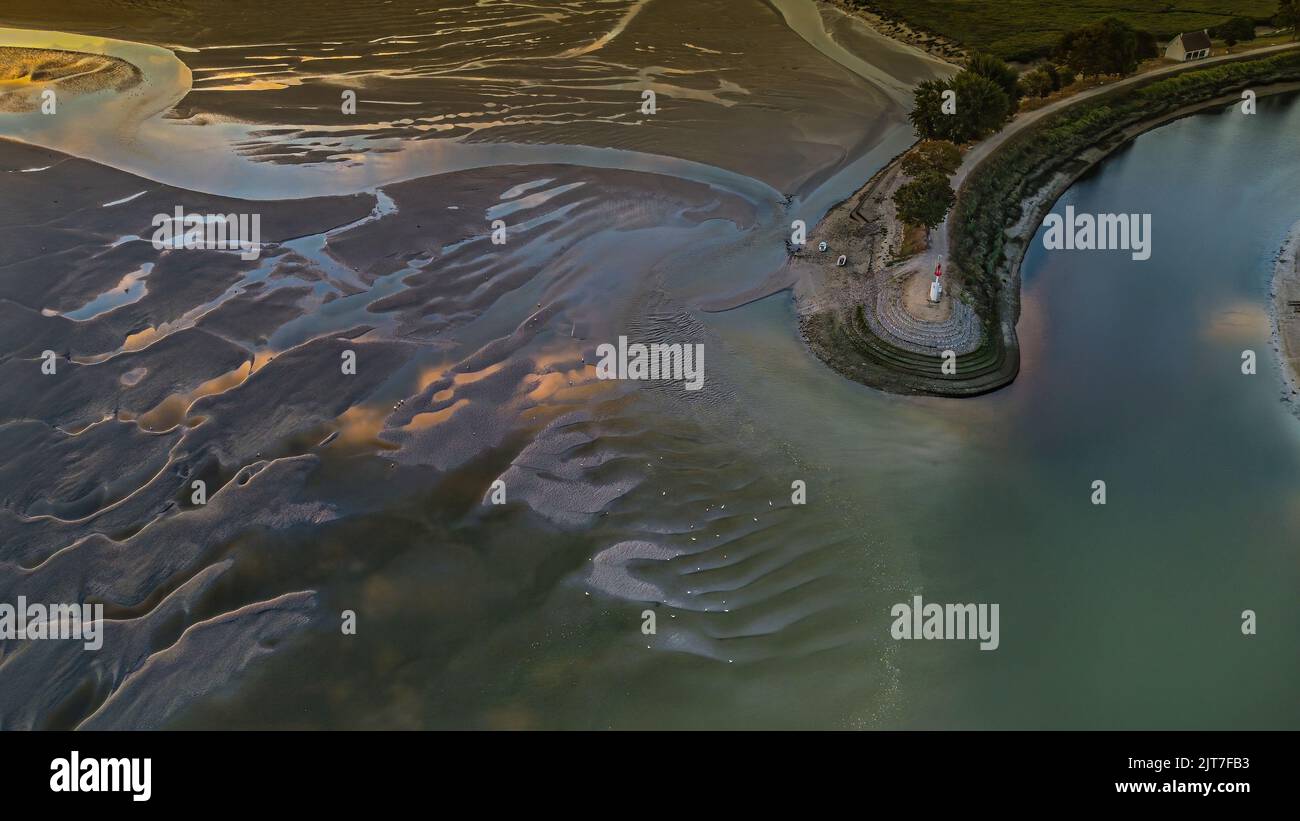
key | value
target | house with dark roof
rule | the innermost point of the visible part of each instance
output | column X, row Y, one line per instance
column 1191, row 46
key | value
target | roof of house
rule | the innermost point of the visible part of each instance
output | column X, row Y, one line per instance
column 1195, row 40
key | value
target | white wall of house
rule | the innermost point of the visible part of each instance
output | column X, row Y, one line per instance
column 1176, row 51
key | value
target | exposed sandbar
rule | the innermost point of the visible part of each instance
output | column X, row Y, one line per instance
column 1285, row 311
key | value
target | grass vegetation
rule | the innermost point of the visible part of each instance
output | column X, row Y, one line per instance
column 916, row 238
column 992, row 198
column 1029, row 29
column 995, row 195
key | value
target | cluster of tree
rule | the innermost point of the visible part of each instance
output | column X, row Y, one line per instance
column 968, row 107
column 1109, row 46
column 1288, row 16
column 1237, row 30
column 926, row 198
column 1041, row 81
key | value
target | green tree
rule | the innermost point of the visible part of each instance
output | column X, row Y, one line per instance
column 925, row 200
column 1109, row 46
column 932, row 155
column 1058, row 82
column 986, row 65
column 1236, row 30
column 1288, row 16
column 1036, row 83
column 982, row 107
column 927, row 114
column 1147, row 45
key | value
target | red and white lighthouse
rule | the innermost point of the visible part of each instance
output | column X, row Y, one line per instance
column 936, row 287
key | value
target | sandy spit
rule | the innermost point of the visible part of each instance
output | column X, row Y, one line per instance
column 1285, row 315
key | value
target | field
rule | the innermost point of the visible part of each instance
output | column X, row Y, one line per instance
column 1024, row 29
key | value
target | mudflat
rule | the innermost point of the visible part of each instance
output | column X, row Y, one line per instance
column 437, row 269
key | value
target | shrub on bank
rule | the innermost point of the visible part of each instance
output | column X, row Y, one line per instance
column 1036, row 83
column 925, row 200
column 993, row 196
column 932, row 155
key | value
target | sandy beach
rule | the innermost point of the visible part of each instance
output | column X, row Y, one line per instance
column 935, row 44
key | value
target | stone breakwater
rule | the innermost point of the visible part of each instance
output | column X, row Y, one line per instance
column 869, row 320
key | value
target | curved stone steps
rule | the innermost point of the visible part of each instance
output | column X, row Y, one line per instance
column 891, row 322
column 983, row 361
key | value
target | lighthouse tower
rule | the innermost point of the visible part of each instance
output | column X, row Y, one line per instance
column 936, row 287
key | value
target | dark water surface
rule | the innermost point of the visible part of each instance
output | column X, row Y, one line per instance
column 1129, row 615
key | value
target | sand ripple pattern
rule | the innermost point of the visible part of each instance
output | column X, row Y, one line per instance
column 372, row 491
column 27, row 72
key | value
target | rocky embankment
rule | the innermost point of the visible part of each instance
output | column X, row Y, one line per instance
column 864, row 330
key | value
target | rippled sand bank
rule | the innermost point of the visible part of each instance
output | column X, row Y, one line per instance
column 27, row 72
column 452, row 87
column 368, row 491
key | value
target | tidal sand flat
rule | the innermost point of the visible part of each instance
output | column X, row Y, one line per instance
column 66, row 72
column 503, row 198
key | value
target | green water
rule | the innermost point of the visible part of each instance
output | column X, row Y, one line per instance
column 1128, row 614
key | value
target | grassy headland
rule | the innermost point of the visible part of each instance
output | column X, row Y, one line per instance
column 1006, row 186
